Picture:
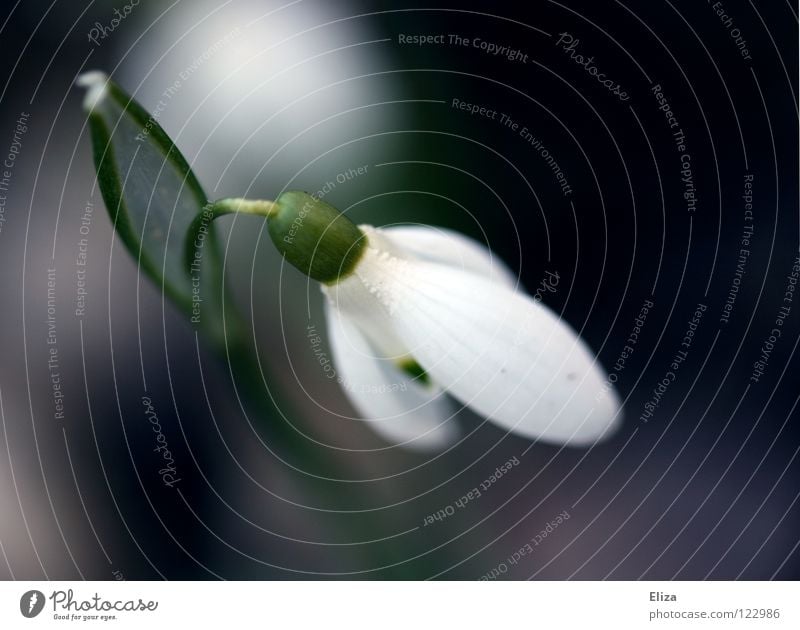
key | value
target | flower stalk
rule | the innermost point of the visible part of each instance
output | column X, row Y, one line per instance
column 312, row 235
column 158, row 214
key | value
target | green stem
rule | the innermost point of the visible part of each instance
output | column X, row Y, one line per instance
column 221, row 207
column 239, row 353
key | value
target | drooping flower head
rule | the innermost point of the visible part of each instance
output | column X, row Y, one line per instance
column 423, row 321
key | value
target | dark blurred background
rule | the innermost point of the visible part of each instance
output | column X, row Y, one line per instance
column 262, row 96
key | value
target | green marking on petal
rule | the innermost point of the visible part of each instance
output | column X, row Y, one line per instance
column 414, row 370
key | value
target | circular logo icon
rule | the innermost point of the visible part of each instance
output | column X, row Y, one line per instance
column 31, row 603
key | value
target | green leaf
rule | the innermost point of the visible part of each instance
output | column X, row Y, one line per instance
column 153, row 197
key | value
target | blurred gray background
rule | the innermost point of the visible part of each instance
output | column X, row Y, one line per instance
column 267, row 96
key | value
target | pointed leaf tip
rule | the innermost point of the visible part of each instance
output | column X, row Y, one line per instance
column 153, row 198
column 95, row 82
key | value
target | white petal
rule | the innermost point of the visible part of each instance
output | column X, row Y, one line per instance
column 397, row 407
column 445, row 246
column 506, row 356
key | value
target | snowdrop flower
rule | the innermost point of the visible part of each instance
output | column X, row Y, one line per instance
column 423, row 321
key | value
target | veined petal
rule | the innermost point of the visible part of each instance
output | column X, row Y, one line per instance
column 397, row 406
column 445, row 246
column 498, row 351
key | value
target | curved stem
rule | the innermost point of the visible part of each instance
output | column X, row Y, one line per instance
column 199, row 226
column 240, row 354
